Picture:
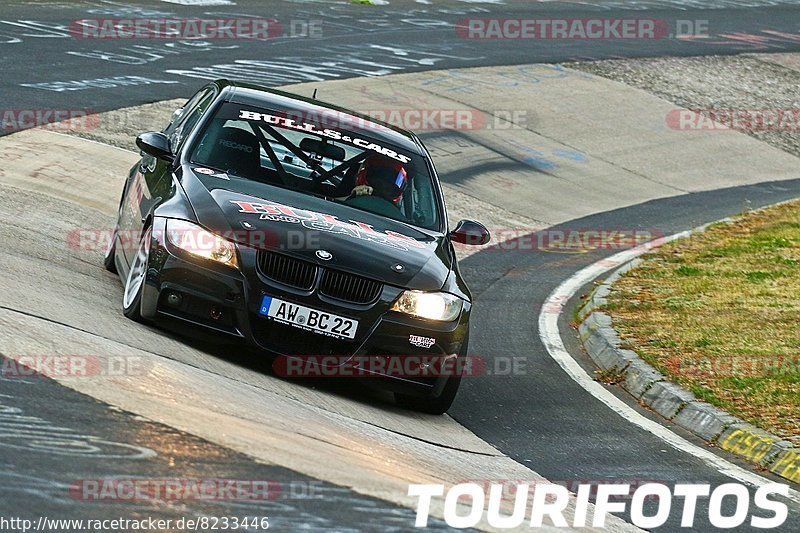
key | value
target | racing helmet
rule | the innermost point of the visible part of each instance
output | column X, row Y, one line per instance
column 387, row 178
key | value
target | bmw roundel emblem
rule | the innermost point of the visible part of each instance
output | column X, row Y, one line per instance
column 325, row 255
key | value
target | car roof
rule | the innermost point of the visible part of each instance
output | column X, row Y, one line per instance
column 296, row 105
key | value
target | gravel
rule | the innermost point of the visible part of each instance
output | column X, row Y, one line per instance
column 748, row 81
column 742, row 82
column 120, row 127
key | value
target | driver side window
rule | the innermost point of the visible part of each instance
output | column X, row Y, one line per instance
column 184, row 119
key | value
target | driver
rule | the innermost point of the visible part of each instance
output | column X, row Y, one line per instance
column 381, row 177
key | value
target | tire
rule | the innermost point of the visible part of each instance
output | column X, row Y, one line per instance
column 436, row 405
column 108, row 259
column 134, row 282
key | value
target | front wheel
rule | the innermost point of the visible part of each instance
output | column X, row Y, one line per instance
column 433, row 405
column 134, row 283
column 108, row 258
column 437, row 405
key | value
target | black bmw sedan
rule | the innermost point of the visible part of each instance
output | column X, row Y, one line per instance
column 309, row 231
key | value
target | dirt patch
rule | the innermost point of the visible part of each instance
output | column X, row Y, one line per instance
column 753, row 83
column 120, row 127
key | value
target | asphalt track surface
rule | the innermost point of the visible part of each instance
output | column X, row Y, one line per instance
column 56, row 442
column 45, row 66
column 541, row 419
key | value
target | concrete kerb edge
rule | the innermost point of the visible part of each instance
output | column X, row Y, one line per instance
column 671, row 401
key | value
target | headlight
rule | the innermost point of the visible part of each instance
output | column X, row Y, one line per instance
column 431, row 305
column 193, row 239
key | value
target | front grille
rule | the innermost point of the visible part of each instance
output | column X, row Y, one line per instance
column 349, row 288
column 287, row 270
column 302, row 275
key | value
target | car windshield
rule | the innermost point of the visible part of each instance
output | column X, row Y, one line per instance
column 255, row 144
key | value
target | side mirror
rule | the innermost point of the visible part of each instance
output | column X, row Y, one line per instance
column 155, row 144
column 470, row 232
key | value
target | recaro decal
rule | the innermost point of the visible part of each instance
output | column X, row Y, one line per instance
column 236, row 146
column 330, row 133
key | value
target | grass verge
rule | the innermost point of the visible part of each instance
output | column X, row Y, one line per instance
column 719, row 313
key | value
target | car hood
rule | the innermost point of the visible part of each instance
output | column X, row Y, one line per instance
column 306, row 227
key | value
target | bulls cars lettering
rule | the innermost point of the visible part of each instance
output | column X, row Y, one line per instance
column 330, row 133
column 329, row 223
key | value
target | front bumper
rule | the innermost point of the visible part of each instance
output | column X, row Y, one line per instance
column 387, row 350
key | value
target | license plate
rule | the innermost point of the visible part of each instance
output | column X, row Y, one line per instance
column 308, row 319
